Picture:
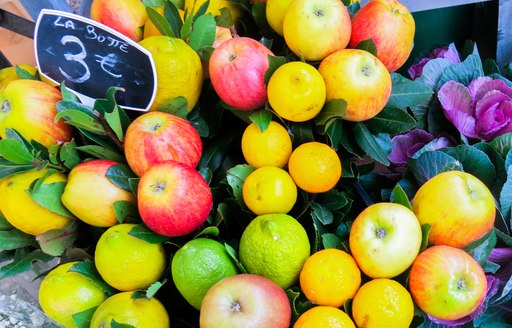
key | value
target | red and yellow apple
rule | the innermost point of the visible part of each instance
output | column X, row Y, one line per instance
column 384, row 239
column 447, row 283
column 21, row 211
column 237, row 68
column 154, row 137
column 90, row 195
column 457, row 205
column 245, row 300
column 359, row 78
column 173, row 198
column 315, row 29
column 125, row 16
column 29, row 107
column 391, row 27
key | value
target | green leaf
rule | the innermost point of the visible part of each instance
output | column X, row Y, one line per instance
column 88, row 270
column 506, row 195
column 15, row 152
column 48, row 195
column 425, row 231
column 502, row 144
column 203, row 8
column 199, row 124
column 432, row 163
column 160, row 22
column 224, row 18
column 69, row 155
column 83, row 319
column 55, row 242
column 142, row 232
column 186, row 28
column 233, row 254
column 24, row 74
column 23, row 264
column 301, row 133
column 330, row 240
column 101, row 153
column 368, row 45
column 321, row 213
column 7, row 168
column 391, row 120
column 432, row 72
column 482, row 247
column 80, row 120
column 4, row 224
column 119, row 175
column 406, row 93
column 464, row 72
column 261, row 118
column 172, row 16
column 473, row 161
column 274, row 62
column 259, row 14
column 177, row 106
column 490, row 67
column 367, row 141
column 235, row 177
column 126, row 211
column 203, row 32
column 32, row 146
column 333, row 199
column 215, row 153
column 66, row 94
column 400, row 197
column 14, row 238
column 114, row 122
column 208, row 231
column 334, row 131
column 153, row 289
column 333, row 109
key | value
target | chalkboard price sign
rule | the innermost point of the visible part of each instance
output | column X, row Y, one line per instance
column 91, row 57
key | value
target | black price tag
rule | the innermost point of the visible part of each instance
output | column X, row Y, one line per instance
column 91, row 57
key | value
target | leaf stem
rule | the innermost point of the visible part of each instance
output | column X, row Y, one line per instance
column 109, row 130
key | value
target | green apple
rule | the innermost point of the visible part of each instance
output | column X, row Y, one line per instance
column 384, row 239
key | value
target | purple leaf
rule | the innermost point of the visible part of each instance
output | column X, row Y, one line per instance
column 490, row 85
column 458, row 107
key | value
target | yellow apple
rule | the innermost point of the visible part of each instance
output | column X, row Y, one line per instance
column 275, row 10
column 314, row 29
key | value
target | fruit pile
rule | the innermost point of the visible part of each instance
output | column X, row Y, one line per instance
column 262, row 188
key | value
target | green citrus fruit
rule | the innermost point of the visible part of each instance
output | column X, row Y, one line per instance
column 275, row 246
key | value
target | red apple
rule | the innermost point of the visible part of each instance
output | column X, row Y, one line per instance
column 245, row 300
column 125, row 16
column 447, row 283
column 29, row 107
column 156, row 136
column 237, row 68
column 90, row 195
column 391, row 27
column 173, row 198
column 458, row 207
column 359, row 78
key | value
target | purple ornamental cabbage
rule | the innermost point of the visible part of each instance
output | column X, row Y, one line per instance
column 447, row 52
column 404, row 146
column 481, row 111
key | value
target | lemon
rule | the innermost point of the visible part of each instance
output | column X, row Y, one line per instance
column 382, row 303
column 126, row 262
column 271, row 147
column 22, row 211
column 63, row 293
column 269, row 189
column 178, row 69
column 122, row 309
column 315, row 167
column 275, row 11
column 324, row 317
column 275, row 246
column 198, row 265
column 330, row 277
column 296, row 91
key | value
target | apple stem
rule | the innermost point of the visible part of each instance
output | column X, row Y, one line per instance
column 234, row 33
column 5, row 107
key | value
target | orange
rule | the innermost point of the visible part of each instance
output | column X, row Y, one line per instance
column 324, row 317
column 382, row 303
column 271, row 147
column 330, row 277
column 315, row 167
